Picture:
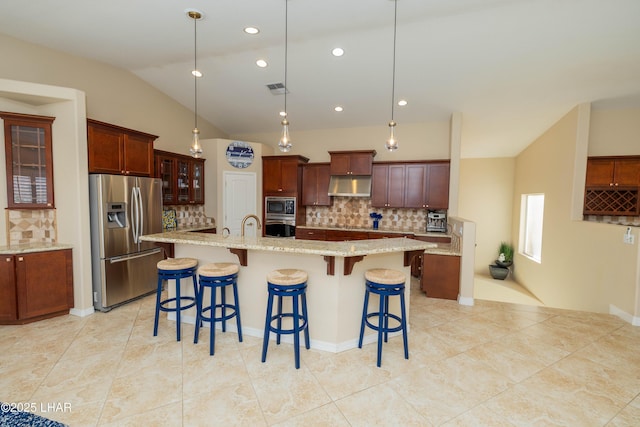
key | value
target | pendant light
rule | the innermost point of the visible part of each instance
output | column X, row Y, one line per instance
column 392, row 142
column 196, row 148
column 285, row 142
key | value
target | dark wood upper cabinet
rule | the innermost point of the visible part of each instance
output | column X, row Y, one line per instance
column 29, row 161
column 352, row 162
column 388, row 185
column 117, row 150
column 613, row 171
column 182, row 178
column 282, row 175
column 315, row 184
column 417, row 185
column 427, row 185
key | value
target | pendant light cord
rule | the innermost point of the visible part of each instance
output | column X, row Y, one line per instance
column 286, row 25
column 195, row 69
column 393, row 79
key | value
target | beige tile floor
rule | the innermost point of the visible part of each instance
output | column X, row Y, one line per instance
column 493, row 364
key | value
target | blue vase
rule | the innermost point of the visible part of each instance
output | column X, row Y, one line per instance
column 375, row 224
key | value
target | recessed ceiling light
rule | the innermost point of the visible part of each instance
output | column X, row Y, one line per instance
column 338, row 51
column 251, row 30
column 196, row 73
column 261, row 63
column 402, row 102
column 338, row 108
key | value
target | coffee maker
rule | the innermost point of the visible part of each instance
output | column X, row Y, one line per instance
column 437, row 221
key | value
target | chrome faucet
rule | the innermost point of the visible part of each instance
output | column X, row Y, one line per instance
column 244, row 220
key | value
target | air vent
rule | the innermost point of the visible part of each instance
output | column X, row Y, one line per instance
column 277, row 88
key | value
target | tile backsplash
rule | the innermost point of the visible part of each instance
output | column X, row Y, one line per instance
column 353, row 212
column 31, row 226
column 191, row 215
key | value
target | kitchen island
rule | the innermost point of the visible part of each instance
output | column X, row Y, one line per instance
column 336, row 277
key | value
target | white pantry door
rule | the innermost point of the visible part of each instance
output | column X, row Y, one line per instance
column 240, row 200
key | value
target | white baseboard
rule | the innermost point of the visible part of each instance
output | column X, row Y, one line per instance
column 629, row 318
column 465, row 301
column 82, row 312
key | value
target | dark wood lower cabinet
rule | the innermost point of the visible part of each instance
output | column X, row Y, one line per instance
column 36, row 286
column 440, row 276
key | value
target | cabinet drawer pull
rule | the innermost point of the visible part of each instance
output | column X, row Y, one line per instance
column 20, row 259
column 8, row 259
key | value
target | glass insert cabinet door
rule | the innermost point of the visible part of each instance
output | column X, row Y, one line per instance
column 184, row 173
column 29, row 161
column 197, row 195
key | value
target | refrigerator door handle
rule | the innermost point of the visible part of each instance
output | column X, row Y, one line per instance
column 141, row 210
column 133, row 212
column 122, row 258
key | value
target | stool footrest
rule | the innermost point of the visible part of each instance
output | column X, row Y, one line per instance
column 293, row 330
column 376, row 327
column 232, row 314
column 164, row 303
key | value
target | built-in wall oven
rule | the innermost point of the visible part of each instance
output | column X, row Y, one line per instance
column 280, row 216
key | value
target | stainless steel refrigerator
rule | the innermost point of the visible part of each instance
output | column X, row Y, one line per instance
column 123, row 208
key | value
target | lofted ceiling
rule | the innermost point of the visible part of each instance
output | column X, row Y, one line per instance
column 511, row 67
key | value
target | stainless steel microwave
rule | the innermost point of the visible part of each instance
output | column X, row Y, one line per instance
column 280, row 207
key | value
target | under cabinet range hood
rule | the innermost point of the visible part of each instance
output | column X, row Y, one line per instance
column 350, row 185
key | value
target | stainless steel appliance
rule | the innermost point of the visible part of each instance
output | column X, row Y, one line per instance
column 437, row 221
column 122, row 209
column 280, row 216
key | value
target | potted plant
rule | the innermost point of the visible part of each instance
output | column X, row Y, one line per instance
column 505, row 255
column 500, row 270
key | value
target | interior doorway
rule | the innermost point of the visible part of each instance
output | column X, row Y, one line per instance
column 240, row 200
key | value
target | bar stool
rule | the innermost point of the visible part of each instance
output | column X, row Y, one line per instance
column 175, row 269
column 215, row 276
column 287, row 283
column 384, row 283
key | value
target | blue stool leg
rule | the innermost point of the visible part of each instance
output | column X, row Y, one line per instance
column 223, row 299
column 404, row 326
column 199, row 297
column 237, row 302
column 386, row 318
column 212, row 322
column 279, row 324
column 381, row 319
column 178, row 310
column 158, row 295
column 364, row 316
column 306, row 318
column 267, row 326
column 296, row 331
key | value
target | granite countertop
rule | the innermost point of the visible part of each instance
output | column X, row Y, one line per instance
column 415, row 232
column 436, row 249
column 25, row 248
column 275, row 244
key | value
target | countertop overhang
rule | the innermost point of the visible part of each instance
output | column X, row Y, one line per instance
column 352, row 251
column 277, row 244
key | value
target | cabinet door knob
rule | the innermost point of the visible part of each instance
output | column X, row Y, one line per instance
column 20, row 259
column 8, row 259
